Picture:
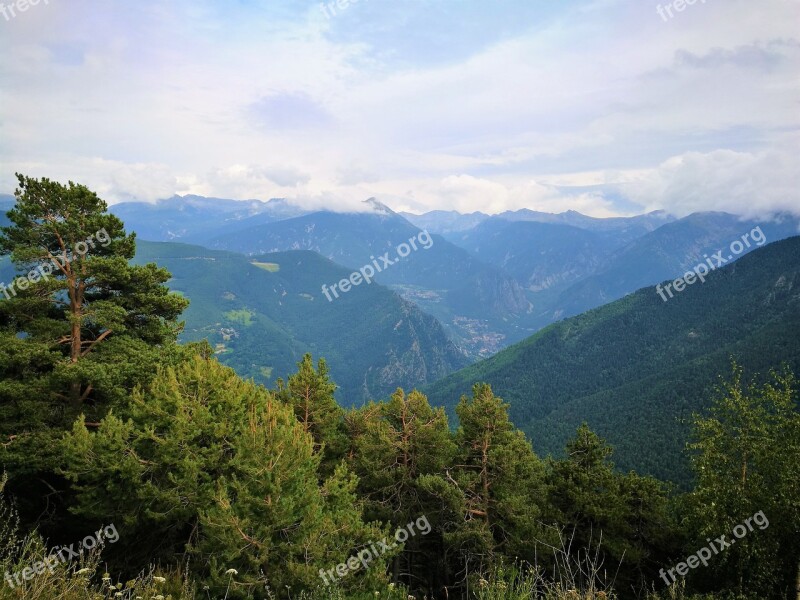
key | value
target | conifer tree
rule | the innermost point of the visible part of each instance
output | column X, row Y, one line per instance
column 500, row 482
column 204, row 463
column 398, row 445
column 310, row 393
column 623, row 520
column 79, row 327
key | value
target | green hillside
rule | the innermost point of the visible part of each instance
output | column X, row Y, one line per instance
column 261, row 314
column 637, row 368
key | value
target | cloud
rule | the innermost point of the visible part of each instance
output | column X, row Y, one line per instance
column 749, row 184
column 274, row 99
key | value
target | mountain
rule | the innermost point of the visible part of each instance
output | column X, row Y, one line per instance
column 7, row 202
column 569, row 269
column 637, row 368
column 451, row 223
column 667, row 253
column 478, row 304
column 192, row 218
column 541, row 256
column 445, row 221
column 262, row 313
column 624, row 227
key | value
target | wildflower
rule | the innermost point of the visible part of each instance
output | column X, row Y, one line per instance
column 231, row 572
column 83, row 571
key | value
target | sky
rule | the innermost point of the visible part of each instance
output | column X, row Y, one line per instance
column 608, row 107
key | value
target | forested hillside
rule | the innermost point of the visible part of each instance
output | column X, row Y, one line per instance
column 636, row 369
column 263, row 313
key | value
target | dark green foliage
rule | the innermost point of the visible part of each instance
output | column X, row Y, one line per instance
column 78, row 334
column 636, row 369
column 310, row 394
column 747, row 460
column 400, row 449
column 201, row 462
column 626, row 517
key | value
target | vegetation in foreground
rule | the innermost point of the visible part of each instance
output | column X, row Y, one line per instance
column 221, row 488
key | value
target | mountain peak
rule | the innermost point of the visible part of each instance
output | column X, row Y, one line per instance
column 379, row 207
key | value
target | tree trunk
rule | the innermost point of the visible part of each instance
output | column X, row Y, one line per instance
column 75, row 301
column 798, row 579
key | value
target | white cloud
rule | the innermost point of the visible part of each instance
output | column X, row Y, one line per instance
column 750, row 184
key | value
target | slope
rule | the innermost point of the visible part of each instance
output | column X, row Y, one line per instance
column 262, row 314
column 636, row 369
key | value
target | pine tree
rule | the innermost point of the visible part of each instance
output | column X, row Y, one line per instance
column 310, row 393
column 500, row 483
column 397, row 445
column 207, row 464
column 622, row 520
column 78, row 331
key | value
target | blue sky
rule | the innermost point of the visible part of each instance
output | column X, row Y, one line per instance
column 599, row 106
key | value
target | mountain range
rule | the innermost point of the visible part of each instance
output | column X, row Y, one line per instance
column 559, row 309
column 490, row 280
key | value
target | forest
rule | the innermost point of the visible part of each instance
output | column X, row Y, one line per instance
column 135, row 466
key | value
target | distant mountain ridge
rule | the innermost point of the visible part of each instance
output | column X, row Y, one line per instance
column 189, row 218
column 444, row 280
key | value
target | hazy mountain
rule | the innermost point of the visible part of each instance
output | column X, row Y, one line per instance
column 667, row 253
column 637, row 368
column 193, row 218
column 541, row 256
column 262, row 314
column 445, row 221
column 627, row 227
column 7, row 202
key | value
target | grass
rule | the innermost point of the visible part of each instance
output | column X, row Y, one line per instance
column 267, row 266
column 242, row 316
